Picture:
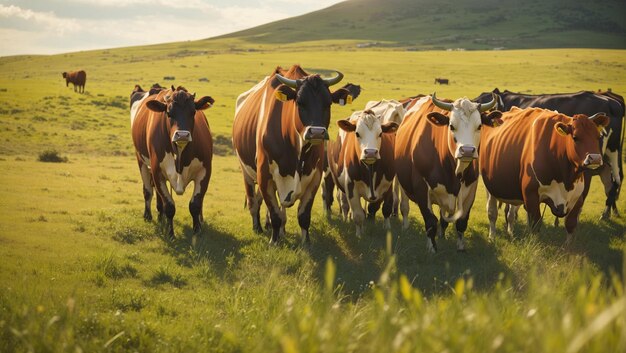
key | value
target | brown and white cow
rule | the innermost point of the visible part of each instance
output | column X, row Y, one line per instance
column 363, row 166
column 173, row 144
column 278, row 134
column 78, row 78
column 539, row 156
column 435, row 159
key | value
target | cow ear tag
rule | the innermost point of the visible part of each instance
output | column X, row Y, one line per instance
column 280, row 96
column 349, row 99
column 561, row 131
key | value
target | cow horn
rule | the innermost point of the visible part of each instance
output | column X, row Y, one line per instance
column 487, row 106
column 286, row 81
column 440, row 104
column 333, row 80
column 173, row 89
column 595, row 115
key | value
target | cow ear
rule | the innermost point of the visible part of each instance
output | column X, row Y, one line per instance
column 601, row 121
column 563, row 129
column 284, row 93
column 346, row 125
column 342, row 96
column 492, row 119
column 438, row 119
column 204, row 103
column 390, row 127
column 156, row 106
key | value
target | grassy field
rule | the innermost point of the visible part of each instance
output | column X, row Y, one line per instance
column 81, row 271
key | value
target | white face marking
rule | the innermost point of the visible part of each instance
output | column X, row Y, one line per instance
column 559, row 196
column 135, row 108
column 194, row 171
column 465, row 125
column 368, row 135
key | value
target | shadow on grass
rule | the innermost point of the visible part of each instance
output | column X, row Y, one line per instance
column 361, row 260
column 220, row 249
column 592, row 240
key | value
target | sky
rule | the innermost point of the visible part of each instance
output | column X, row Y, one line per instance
column 60, row 26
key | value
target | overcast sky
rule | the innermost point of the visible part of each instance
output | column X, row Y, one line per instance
column 58, row 26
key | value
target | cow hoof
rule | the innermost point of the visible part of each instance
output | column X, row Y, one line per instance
column 606, row 215
column 147, row 217
column 197, row 229
column 257, row 229
column 431, row 246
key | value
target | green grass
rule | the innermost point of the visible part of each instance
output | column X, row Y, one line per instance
column 81, row 271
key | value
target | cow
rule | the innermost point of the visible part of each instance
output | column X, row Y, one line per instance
column 435, row 153
column 279, row 130
column 78, row 78
column 387, row 111
column 441, row 81
column 363, row 166
column 539, row 156
column 138, row 95
column 588, row 103
column 173, row 143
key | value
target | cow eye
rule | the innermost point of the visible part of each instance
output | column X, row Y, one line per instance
column 452, row 128
column 358, row 136
column 575, row 138
column 380, row 135
column 479, row 127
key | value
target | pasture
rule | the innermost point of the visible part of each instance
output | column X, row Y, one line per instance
column 80, row 271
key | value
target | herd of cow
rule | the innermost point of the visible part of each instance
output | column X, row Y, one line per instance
column 528, row 149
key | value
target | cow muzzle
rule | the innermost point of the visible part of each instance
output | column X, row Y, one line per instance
column 181, row 138
column 466, row 153
column 592, row 161
column 316, row 134
column 370, row 156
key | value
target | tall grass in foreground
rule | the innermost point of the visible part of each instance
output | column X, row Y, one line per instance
column 392, row 316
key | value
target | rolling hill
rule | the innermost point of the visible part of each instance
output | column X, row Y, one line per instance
column 445, row 24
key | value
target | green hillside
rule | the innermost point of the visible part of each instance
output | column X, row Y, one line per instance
column 468, row 24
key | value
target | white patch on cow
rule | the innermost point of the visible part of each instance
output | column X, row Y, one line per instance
column 241, row 99
column 246, row 169
column 559, row 195
column 614, row 161
column 285, row 185
column 418, row 105
column 439, row 196
column 194, row 171
column 135, row 108
column 605, row 142
column 387, row 110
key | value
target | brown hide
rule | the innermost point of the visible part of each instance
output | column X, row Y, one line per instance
column 78, row 78
column 527, row 150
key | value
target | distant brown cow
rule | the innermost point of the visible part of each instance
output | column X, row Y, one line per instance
column 78, row 78
column 441, row 81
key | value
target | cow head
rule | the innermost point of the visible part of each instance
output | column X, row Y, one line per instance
column 368, row 131
column 464, row 123
column 313, row 99
column 581, row 137
column 180, row 107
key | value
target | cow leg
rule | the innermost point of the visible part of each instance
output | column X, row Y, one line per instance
column 146, row 179
column 372, row 208
column 571, row 220
column 304, row 214
column 404, row 209
column 609, row 190
column 396, row 197
column 461, row 227
column 195, row 204
column 169, row 208
column 443, row 225
column 388, row 205
column 358, row 214
column 492, row 214
column 159, row 205
column 344, row 207
column 268, row 191
column 328, row 184
column 253, row 201
column 511, row 218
